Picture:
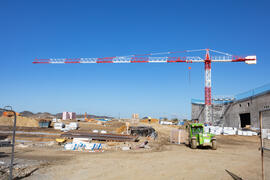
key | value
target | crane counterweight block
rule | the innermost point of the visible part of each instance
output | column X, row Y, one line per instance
column 251, row 60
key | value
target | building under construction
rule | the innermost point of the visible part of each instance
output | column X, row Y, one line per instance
column 239, row 111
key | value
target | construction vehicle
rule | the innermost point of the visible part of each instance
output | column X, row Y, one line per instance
column 197, row 136
column 85, row 117
column 88, row 120
column 9, row 114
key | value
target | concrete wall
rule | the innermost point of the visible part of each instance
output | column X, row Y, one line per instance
column 197, row 112
column 252, row 105
column 229, row 114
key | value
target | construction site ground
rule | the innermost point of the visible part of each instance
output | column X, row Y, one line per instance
column 237, row 154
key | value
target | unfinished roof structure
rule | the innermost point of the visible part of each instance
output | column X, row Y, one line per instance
column 240, row 111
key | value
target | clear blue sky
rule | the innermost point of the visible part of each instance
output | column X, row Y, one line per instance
column 56, row 29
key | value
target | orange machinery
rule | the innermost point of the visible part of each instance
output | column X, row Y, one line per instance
column 88, row 120
column 9, row 114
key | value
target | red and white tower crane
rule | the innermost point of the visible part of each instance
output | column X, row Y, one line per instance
column 149, row 58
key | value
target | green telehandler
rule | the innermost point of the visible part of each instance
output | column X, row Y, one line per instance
column 197, row 136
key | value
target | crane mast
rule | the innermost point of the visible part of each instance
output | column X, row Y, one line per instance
column 147, row 58
column 207, row 96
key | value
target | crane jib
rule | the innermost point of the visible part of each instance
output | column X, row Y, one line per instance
column 149, row 58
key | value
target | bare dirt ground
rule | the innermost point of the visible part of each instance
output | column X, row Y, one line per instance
column 237, row 154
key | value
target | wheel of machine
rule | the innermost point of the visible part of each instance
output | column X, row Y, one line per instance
column 214, row 144
column 193, row 144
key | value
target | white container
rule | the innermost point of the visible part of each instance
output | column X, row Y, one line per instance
column 54, row 120
column 81, row 140
column 73, row 125
column 125, row 148
column 229, row 132
column 103, row 132
column 254, row 134
column 249, row 133
column 58, row 125
column 165, row 123
column 95, row 131
column 69, row 146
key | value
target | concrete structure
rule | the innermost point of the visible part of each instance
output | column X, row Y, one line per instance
column 240, row 112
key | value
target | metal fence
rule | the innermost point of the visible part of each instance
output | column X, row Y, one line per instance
column 199, row 101
column 253, row 92
column 248, row 94
column 8, row 109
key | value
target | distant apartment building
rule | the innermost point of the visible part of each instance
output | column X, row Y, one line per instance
column 135, row 116
column 69, row 116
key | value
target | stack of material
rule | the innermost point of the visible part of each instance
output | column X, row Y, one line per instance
column 100, row 136
column 59, row 126
column 166, row 123
column 246, row 133
column 178, row 136
column 215, row 130
column 229, row 131
column 66, row 127
column 72, row 126
column 233, row 131
column 82, row 144
column 240, row 132
column 78, row 140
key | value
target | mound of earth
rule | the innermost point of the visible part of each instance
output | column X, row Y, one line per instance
column 21, row 121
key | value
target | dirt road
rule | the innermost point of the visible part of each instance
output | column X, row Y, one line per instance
column 237, row 154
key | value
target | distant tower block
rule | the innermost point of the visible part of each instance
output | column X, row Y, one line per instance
column 135, row 116
column 69, row 116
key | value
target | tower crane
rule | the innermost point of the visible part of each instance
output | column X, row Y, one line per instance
column 150, row 58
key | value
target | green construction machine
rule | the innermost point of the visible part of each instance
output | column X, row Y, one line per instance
column 197, row 136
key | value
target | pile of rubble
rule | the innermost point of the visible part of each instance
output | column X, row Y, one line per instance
column 20, row 121
column 21, row 168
